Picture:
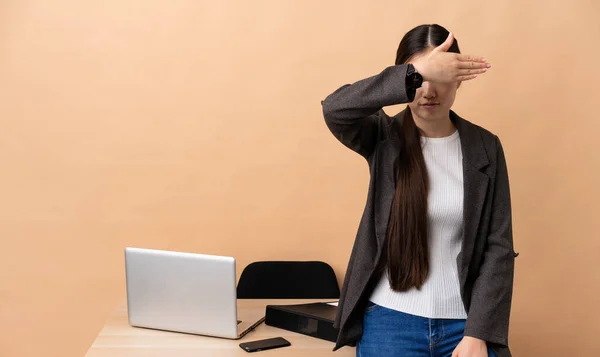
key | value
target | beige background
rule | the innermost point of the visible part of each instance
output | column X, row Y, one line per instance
column 196, row 126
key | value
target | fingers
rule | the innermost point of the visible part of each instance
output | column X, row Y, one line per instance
column 471, row 73
column 473, row 65
column 446, row 45
column 466, row 78
column 466, row 72
column 469, row 58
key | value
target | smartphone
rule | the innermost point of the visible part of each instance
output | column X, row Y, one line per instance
column 261, row 345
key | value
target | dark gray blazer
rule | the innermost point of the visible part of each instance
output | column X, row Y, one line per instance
column 354, row 115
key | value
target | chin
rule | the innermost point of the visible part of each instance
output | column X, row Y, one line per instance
column 437, row 114
column 430, row 115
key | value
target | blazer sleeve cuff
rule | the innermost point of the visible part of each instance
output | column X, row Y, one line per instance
column 486, row 336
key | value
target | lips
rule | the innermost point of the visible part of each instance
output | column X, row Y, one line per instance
column 430, row 104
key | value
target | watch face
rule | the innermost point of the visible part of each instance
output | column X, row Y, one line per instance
column 416, row 80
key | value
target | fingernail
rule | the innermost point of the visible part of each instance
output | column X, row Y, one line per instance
column 489, row 65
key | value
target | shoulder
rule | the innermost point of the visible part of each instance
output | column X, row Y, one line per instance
column 485, row 134
column 477, row 133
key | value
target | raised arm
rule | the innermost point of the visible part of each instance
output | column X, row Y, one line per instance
column 354, row 112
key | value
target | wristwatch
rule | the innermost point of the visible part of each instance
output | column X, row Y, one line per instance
column 413, row 79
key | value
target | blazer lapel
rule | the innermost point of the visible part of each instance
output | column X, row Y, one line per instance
column 475, row 187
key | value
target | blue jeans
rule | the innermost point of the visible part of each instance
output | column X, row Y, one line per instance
column 390, row 333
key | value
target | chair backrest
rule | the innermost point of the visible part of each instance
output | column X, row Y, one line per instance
column 288, row 280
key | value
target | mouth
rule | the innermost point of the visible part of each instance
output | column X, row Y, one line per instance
column 430, row 105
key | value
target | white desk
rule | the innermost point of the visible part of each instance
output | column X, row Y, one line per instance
column 119, row 339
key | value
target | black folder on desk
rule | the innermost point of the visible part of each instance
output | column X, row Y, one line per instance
column 314, row 319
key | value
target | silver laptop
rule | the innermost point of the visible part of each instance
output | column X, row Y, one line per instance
column 185, row 292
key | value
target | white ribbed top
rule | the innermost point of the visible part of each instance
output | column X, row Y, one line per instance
column 439, row 297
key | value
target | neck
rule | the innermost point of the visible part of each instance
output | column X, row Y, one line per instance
column 437, row 128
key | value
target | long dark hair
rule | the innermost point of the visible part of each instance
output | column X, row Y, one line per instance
column 407, row 253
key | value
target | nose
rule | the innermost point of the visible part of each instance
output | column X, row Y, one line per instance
column 428, row 90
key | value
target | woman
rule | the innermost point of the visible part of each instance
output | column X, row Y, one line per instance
column 431, row 270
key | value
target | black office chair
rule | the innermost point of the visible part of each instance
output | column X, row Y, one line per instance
column 288, row 280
